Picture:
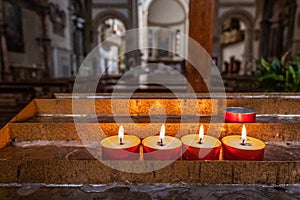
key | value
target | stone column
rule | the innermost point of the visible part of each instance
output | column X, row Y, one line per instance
column 45, row 40
column 88, row 27
column 5, row 73
column 41, row 8
column 201, row 18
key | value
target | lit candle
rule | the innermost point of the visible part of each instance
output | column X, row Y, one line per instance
column 120, row 147
column 161, row 147
column 200, row 146
column 242, row 147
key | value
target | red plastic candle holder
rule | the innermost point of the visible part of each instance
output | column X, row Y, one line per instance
column 154, row 150
column 113, row 150
column 207, row 149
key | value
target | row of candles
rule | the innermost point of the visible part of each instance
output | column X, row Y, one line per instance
column 194, row 147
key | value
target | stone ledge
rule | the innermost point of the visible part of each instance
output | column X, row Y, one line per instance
column 268, row 132
column 148, row 191
column 74, row 165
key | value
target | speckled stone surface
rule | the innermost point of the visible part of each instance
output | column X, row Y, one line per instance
column 163, row 106
column 148, row 192
column 69, row 164
column 74, row 165
column 267, row 129
column 268, row 132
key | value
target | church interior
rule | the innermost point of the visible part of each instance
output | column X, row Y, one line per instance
column 44, row 42
column 70, row 67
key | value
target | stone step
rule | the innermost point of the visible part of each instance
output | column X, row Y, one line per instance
column 62, row 164
column 64, row 131
column 148, row 191
column 261, row 105
column 42, row 145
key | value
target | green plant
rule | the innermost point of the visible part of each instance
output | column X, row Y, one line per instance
column 279, row 75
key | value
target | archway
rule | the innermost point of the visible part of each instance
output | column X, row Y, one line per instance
column 171, row 14
column 102, row 16
column 238, row 26
column 110, row 62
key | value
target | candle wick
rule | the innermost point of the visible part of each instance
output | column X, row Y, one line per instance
column 243, row 142
column 160, row 143
column 200, row 141
column 121, row 141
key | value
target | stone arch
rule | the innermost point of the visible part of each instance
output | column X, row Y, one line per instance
column 248, row 20
column 244, row 15
column 110, row 14
column 183, row 4
column 80, row 8
column 102, row 16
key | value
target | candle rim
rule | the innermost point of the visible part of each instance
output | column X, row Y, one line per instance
column 107, row 140
column 165, row 147
column 196, row 145
column 262, row 144
column 246, row 111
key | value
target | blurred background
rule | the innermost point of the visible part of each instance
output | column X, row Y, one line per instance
column 255, row 44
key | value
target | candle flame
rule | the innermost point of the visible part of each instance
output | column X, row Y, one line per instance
column 162, row 134
column 121, row 134
column 201, row 133
column 244, row 134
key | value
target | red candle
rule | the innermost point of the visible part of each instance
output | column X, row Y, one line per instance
column 200, row 147
column 121, row 147
column 161, row 147
column 237, row 147
column 239, row 115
